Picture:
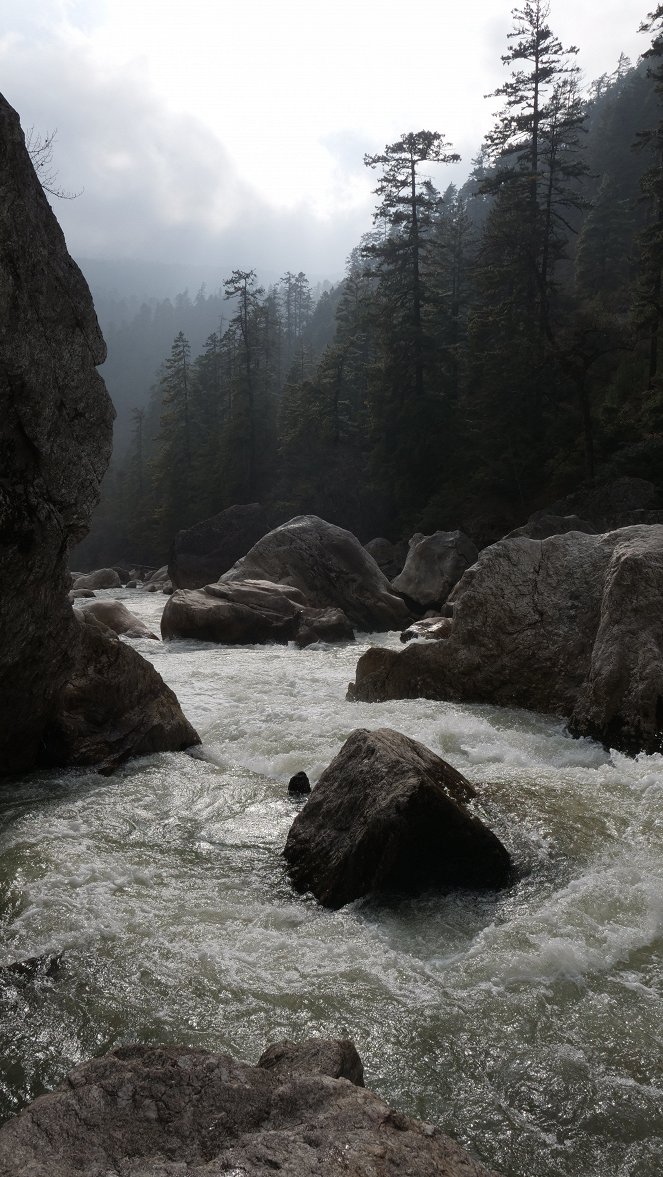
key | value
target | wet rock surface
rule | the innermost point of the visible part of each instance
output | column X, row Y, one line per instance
column 330, row 567
column 568, row 625
column 389, row 815
column 170, row 1111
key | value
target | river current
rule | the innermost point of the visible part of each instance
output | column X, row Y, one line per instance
column 527, row 1024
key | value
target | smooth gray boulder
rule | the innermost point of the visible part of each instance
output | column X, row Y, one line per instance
column 118, row 618
column 101, row 578
column 389, row 815
column 323, row 625
column 569, row 625
column 55, row 443
column 201, row 554
column 115, row 705
column 434, row 564
column 329, row 566
column 176, row 1111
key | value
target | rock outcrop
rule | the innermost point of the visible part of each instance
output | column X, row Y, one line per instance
column 329, row 566
column 569, row 625
column 55, row 442
column 114, row 706
column 389, row 815
column 434, row 564
column 162, row 1111
column 201, row 554
column 434, row 628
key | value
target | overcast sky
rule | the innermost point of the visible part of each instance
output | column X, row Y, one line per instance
column 236, row 129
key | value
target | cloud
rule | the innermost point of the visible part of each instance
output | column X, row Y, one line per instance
column 156, row 183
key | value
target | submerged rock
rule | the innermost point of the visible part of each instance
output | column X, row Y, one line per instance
column 329, row 566
column 390, row 815
column 570, row 625
column 162, row 1111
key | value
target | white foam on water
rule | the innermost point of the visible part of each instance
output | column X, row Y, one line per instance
column 523, row 1023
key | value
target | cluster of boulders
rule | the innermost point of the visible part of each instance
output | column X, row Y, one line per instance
column 570, row 624
column 153, row 1111
column 304, row 581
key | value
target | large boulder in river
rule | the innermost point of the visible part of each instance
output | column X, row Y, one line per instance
column 329, row 566
column 115, row 705
column 101, row 578
column 118, row 618
column 201, row 554
column 157, row 1111
column 390, row 815
column 571, row 625
column 248, row 612
column 55, row 443
column 434, row 564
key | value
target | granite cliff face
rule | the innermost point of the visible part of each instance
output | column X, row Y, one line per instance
column 56, row 423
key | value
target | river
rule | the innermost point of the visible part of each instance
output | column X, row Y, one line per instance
column 527, row 1024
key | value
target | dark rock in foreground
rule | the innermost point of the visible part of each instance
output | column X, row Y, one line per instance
column 55, row 441
column 172, row 1111
column 390, row 815
column 202, row 553
column 115, row 706
column 330, row 567
column 571, row 625
column 299, row 784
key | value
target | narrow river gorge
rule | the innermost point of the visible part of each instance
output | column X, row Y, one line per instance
column 527, row 1025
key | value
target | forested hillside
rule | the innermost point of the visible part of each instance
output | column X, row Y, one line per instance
column 489, row 350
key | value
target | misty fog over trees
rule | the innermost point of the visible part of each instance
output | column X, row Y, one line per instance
column 490, row 348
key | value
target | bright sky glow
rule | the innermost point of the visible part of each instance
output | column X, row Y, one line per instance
column 214, row 114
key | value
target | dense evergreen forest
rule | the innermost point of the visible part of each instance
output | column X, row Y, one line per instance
column 490, row 349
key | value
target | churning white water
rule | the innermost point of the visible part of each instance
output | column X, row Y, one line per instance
column 528, row 1025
